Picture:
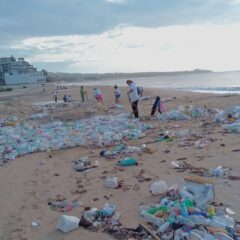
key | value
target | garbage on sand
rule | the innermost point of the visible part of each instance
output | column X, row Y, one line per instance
column 157, row 188
column 107, row 219
column 175, row 115
column 63, row 205
column 128, row 162
column 84, row 164
column 122, row 149
column 189, row 212
column 98, row 131
column 112, row 182
column 233, row 127
column 222, row 116
column 67, row 223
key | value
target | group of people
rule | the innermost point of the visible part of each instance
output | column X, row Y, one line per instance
column 134, row 93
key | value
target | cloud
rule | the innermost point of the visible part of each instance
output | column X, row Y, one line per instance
column 116, row 1
column 135, row 49
column 26, row 18
column 235, row 2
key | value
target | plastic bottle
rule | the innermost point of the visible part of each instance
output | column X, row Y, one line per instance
column 222, row 222
column 222, row 236
column 158, row 187
column 211, row 211
column 128, row 162
column 111, row 182
column 163, row 227
column 194, row 236
column 108, row 210
column 151, row 218
column 183, row 209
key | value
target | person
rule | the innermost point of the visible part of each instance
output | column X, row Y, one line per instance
column 98, row 95
column 156, row 106
column 69, row 98
column 117, row 94
column 83, row 93
column 133, row 97
column 140, row 91
column 65, row 98
column 55, row 97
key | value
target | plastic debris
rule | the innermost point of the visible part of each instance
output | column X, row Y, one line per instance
column 98, row 131
column 175, row 115
column 67, row 223
column 187, row 213
column 111, row 182
column 128, row 162
column 158, row 187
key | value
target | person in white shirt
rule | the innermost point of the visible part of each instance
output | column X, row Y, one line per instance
column 133, row 97
column 117, row 94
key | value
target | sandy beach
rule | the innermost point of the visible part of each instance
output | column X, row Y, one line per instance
column 28, row 182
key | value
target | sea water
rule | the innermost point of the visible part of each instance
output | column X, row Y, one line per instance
column 212, row 82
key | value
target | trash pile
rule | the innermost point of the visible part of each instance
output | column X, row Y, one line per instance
column 185, row 113
column 37, row 116
column 122, row 149
column 105, row 220
column 189, row 212
column 11, row 121
column 83, row 164
column 233, row 127
column 198, row 111
column 174, row 114
column 97, row 131
column 232, row 113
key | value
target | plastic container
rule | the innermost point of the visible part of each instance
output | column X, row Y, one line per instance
column 67, row 223
column 108, row 210
column 111, row 182
column 163, row 227
column 128, row 162
column 158, row 187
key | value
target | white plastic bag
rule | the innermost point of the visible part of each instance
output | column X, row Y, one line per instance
column 67, row 223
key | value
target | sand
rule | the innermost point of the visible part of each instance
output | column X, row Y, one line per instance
column 27, row 183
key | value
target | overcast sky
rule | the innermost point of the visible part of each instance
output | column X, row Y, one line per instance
column 122, row 35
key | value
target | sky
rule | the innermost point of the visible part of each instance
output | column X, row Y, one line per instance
column 99, row 36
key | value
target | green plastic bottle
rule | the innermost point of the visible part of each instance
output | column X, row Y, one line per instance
column 128, row 162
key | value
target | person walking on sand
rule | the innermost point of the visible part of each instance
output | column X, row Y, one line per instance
column 133, row 97
column 55, row 97
column 156, row 106
column 98, row 95
column 117, row 94
column 83, row 94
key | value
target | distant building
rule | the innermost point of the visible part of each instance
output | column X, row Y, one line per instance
column 19, row 71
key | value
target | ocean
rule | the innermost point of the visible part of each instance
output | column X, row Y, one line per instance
column 215, row 82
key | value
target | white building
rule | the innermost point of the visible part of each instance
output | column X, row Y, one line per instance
column 19, row 72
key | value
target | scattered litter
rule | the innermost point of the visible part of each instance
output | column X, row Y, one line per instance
column 98, row 131
column 157, row 188
column 230, row 211
column 67, row 223
column 188, row 213
column 128, row 162
column 63, row 205
column 34, row 224
column 233, row 127
column 37, row 116
column 174, row 115
column 84, row 164
column 112, row 182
